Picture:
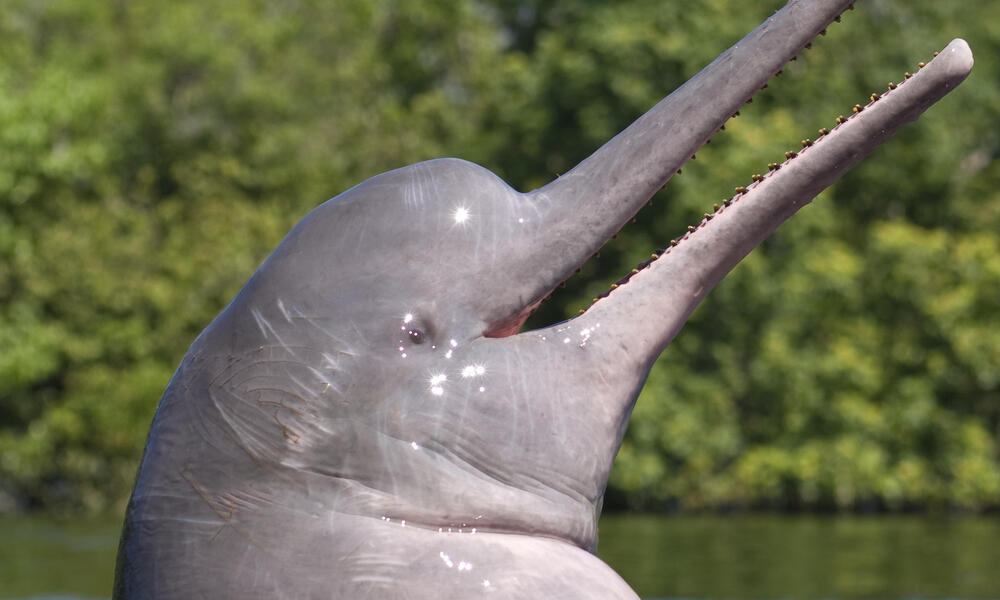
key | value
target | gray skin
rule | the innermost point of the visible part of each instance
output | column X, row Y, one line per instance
column 364, row 421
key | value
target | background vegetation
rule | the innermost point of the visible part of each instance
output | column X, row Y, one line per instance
column 153, row 153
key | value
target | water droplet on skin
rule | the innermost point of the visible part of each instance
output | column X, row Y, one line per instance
column 436, row 381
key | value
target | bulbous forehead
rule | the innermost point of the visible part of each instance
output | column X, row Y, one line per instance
column 442, row 231
column 421, row 211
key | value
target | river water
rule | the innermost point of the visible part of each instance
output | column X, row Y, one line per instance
column 742, row 557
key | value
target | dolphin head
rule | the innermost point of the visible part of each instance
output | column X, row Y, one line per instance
column 365, row 420
column 444, row 245
column 377, row 341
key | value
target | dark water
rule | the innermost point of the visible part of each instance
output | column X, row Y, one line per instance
column 42, row 557
column 805, row 557
column 761, row 557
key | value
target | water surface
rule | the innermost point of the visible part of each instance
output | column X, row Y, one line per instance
column 809, row 557
column 52, row 557
column 745, row 557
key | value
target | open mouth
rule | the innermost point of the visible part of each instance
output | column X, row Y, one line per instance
column 758, row 179
column 781, row 188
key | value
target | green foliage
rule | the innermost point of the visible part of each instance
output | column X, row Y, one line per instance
column 152, row 154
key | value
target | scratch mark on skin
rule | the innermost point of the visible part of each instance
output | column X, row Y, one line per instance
column 327, row 381
column 329, row 362
column 260, row 321
column 342, row 346
column 287, row 431
column 265, row 328
column 229, row 375
column 226, row 516
column 284, row 312
column 307, row 390
column 279, row 404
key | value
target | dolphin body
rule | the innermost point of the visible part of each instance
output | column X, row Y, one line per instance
column 364, row 421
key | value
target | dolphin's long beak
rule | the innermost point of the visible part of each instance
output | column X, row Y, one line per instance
column 595, row 199
column 650, row 308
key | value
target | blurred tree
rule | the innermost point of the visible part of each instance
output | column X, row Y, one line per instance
column 152, row 154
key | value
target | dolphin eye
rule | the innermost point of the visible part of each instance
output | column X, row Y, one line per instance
column 417, row 336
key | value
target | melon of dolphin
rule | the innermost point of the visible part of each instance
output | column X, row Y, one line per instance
column 364, row 421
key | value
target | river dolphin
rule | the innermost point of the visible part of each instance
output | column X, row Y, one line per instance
column 364, row 420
